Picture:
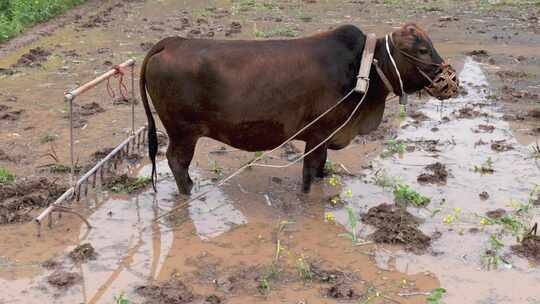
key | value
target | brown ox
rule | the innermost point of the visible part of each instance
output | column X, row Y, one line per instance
column 253, row 95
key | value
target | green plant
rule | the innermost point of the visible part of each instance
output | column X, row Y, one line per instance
column 121, row 300
column 216, row 168
column 353, row 223
column 405, row 195
column 492, row 259
column 393, row 147
column 485, row 168
column 6, row 177
column 276, row 32
column 16, row 15
column 48, row 138
column 435, row 296
column 535, row 151
column 304, row 269
column 125, row 184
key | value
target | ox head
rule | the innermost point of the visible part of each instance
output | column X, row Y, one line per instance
column 420, row 65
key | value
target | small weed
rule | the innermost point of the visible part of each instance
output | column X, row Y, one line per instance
column 276, row 32
column 303, row 269
column 6, row 177
column 382, row 179
column 125, row 184
column 48, row 138
column 334, row 180
column 353, row 223
column 264, row 286
column 216, row 168
column 535, row 151
column 435, row 296
column 405, row 195
column 121, row 300
column 492, row 259
column 402, row 111
column 329, row 167
column 258, row 154
column 454, row 217
column 393, row 147
column 485, row 168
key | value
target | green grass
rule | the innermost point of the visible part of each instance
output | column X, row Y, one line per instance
column 393, row 147
column 435, row 296
column 277, row 32
column 17, row 15
column 125, row 184
column 6, row 177
column 405, row 195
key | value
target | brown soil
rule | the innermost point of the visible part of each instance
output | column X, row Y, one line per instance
column 342, row 291
column 19, row 199
column 529, row 248
column 417, row 115
column 173, row 291
column 396, row 226
column 11, row 115
column 483, row 195
column 63, row 279
column 83, row 253
column 501, row 146
column 34, row 58
column 485, row 128
column 496, row 214
column 438, row 176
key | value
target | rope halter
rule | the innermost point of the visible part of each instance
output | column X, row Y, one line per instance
column 443, row 86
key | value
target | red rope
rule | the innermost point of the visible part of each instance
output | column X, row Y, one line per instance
column 122, row 88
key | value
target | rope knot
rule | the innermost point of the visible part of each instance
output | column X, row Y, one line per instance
column 119, row 73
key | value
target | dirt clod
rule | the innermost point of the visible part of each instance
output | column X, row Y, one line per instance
column 501, row 146
column 19, row 199
column 83, row 253
column 496, row 214
column 483, row 195
column 172, row 291
column 396, row 226
column 438, row 176
column 34, row 58
column 342, row 291
column 529, row 247
column 63, row 279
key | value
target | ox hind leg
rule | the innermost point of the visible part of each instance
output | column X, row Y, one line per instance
column 313, row 164
column 179, row 155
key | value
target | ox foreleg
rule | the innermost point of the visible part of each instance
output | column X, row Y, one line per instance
column 313, row 164
column 179, row 155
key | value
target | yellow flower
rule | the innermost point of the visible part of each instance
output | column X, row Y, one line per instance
column 329, row 217
column 449, row 219
column 349, row 193
column 483, row 221
column 457, row 210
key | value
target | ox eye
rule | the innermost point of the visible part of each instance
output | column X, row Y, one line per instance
column 423, row 51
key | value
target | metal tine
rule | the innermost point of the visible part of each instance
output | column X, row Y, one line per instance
column 85, row 189
column 50, row 223
column 78, row 191
column 38, row 229
column 127, row 148
column 93, row 180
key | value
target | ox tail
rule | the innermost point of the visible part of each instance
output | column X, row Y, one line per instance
column 152, row 134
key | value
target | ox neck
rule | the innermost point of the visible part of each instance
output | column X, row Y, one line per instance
column 388, row 67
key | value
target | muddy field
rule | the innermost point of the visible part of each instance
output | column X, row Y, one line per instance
column 438, row 205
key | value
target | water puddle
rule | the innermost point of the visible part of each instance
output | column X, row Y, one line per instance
column 464, row 139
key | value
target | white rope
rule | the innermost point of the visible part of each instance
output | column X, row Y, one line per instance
column 395, row 66
column 253, row 161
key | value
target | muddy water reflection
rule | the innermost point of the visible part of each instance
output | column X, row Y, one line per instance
column 456, row 256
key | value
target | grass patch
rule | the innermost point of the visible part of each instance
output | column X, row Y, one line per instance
column 393, row 147
column 48, row 138
column 6, row 177
column 277, row 32
column 405, row 195
column 485, row 168
column 126, row 184
column 17, row 15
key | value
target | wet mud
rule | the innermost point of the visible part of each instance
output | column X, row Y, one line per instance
column 19, row 200
column 396, row 226
column 262, row 212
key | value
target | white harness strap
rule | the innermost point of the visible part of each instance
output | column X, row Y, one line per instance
column 395, row 67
